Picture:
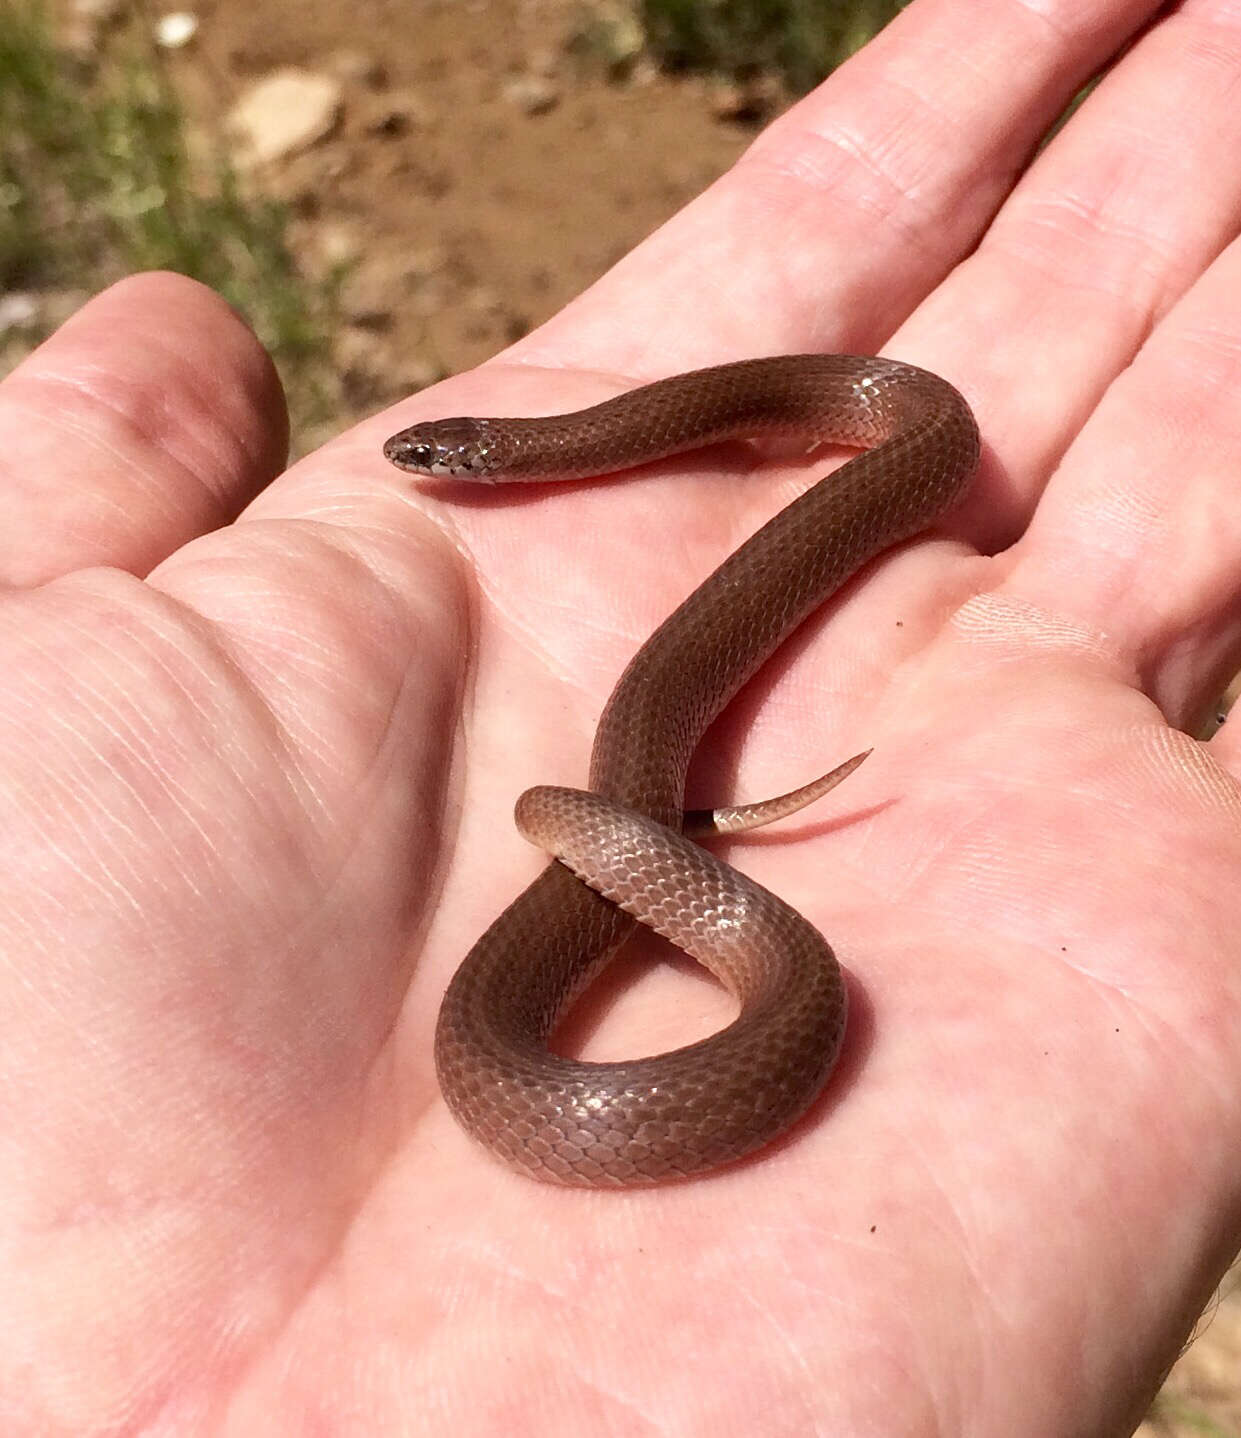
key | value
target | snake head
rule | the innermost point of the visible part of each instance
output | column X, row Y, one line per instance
column 445, row 448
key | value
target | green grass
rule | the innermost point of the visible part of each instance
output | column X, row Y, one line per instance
column 801, row 40
column 98, row 180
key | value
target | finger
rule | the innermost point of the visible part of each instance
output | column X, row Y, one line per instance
column 152, row 416
column 848, row 210
column 1111, row 225
column 1139, row 538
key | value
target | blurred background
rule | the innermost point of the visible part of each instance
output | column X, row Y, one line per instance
column 392, row 191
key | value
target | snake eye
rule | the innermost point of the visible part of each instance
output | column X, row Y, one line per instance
column 409, row 453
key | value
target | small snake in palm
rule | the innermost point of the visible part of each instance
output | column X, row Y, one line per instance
column 620, row 853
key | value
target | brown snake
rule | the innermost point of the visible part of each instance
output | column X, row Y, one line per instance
column 681, row 1113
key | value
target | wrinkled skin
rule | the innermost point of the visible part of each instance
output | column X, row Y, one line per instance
column 256, row 777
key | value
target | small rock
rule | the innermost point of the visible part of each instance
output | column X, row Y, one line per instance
column 19, row 310
column 338, row 243
column 175, row 30
column 643, row 73
column 533, row 94
column 286, row 112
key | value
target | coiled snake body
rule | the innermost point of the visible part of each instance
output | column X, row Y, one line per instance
column 680, row 1113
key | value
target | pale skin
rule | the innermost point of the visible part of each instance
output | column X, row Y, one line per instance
column 256, row 781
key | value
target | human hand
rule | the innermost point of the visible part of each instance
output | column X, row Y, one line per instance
column 257, row 780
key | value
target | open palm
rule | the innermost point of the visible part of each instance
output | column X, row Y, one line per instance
column 255, row 783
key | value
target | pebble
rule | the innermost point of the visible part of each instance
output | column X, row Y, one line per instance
column 287, row 111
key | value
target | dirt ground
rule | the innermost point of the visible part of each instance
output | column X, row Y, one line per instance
column 479, row 176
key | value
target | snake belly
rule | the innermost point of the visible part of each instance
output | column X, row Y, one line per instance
column 686, row 1112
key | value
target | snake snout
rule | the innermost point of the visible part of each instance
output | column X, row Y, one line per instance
column 445, row 448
